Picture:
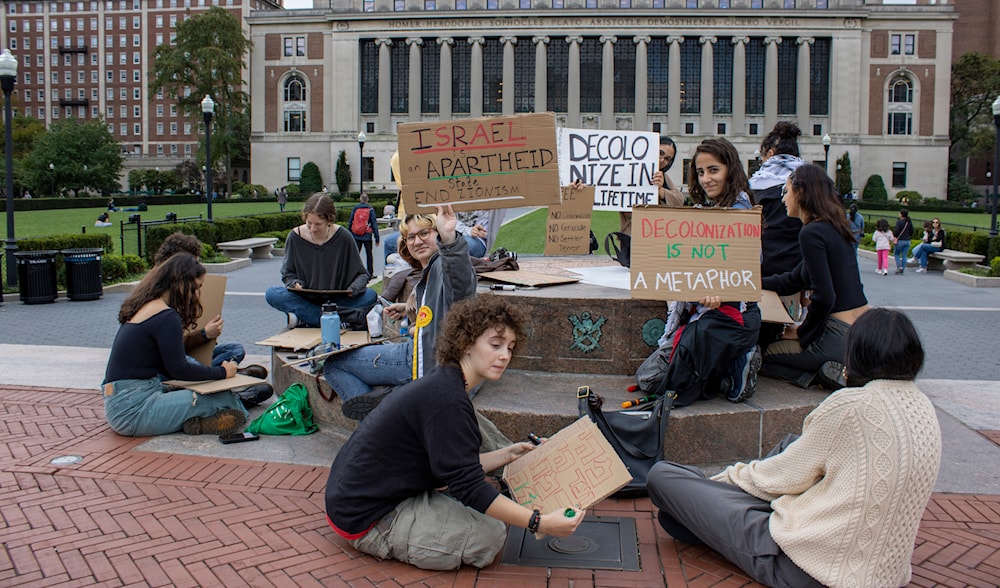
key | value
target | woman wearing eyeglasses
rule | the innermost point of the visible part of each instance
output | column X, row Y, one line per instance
column 447, row 277
column 933, row 242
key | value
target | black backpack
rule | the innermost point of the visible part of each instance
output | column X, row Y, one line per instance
column 619, row 247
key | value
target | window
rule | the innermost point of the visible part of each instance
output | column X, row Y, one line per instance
column 294, row 169
column 691, row 76
column 430, row 5
column 430, row 65
column 900, row 107
column 461, row 5
column 788, row 74
column 369, row 6
column 295, row 121
column 492, row 4
column 461, row 68
column 399, row 5
column 300, row 46
column 657, row 67
column 173, row 128
column 908, row 44
column 899, row 174
column 369, row 77
column 524, row 75
column 789, row 4
column 894, row 44
column 525, row 4
column 295, row 89
column 492, row 76
column 755, row 60
column 136, row 111
column 819, row 77
column 624, row 75
column 399, row 56
column 159, row 128
column 558, row 76
column 722, row 77
column 591, row 61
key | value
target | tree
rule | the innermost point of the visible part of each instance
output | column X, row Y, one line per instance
column 189, row 173
column 83, row 154
column 874, row 189
column 310, row 180
column 207, row 59
column 23, row 135
column 975, row 84
column 845, row 184
column 343, row 173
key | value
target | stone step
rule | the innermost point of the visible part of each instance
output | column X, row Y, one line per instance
column 707, row 433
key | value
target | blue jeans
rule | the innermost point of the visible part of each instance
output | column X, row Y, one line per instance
column 390, row 244
column 286, row 300
column 353, row 373
column 140, row 408
column 899, row 253
column 922, row 252
column 228, row 352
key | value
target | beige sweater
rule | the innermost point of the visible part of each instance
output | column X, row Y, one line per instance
column 849, row 493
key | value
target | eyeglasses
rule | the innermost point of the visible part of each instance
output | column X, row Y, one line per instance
column 421, row 234
column 784, row 190
column 936, row 222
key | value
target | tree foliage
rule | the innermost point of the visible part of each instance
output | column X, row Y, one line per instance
column 310, row 181
column 875, row 189
column 343, row 173
column 845, row 184
column 207, row 59
column 83, row 155
column 975, row 84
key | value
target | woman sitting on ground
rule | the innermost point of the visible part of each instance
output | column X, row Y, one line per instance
column 385, row 489
column 839, row 505
column 150, row 342
column 811, row 352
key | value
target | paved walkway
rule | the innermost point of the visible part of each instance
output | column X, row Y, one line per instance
column 166, row 511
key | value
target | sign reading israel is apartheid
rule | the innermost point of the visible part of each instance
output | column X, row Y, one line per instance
column 619, row 164
column 687, row 253
column 479, row 163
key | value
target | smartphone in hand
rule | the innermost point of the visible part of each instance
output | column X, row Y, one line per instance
column 238, row 438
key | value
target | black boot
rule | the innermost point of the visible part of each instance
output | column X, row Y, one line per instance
column 254, row 394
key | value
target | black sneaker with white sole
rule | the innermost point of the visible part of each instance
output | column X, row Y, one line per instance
column 359, row 407
column 744, row 375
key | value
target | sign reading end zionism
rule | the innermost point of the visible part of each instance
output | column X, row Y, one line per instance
column 687, row 253
column 619, row 164
column 479, row 163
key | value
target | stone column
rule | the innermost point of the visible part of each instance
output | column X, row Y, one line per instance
column 573, row 92
column 802, row 85
column 541, row 73
column 641, row 84
column 507, row 97
column 707, row 85
column 740, row 85
column 476, row 79
column 416, row 68
column 771, row 82
column 445, row 77
column 608, row 81
column 384, row 85
column 674, row 85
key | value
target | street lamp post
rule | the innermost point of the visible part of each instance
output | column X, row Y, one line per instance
column 826, row 152
column 208, row 108
column 52, row 178
column 996, row 169
column 8, row 72
column 361, row 170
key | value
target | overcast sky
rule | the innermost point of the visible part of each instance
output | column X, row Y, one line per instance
column 298, row 4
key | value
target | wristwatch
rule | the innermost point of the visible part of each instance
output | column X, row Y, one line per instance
column 534, row 521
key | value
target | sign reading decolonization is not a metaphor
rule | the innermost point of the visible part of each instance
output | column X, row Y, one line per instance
column 619, row 164
column 479, row 163
column 687, row 253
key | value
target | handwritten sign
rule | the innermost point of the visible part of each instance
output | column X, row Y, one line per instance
column 567, row 232
column 575, row 467
column 687, row 253
column 619, row 164
column 479, row 163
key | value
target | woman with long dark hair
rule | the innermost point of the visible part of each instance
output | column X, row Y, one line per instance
column 150, row 342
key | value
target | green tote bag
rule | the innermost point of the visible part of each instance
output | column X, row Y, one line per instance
column 290, row 415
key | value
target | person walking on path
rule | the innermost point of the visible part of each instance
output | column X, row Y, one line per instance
column 904, row 233
column 364, row 227
column 282, row 195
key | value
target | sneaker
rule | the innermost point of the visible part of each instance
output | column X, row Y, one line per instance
column 831, row 376
column 254, row 394
column 911, row 260
column 921, row 270
column 225, row 422
column 293, row 320
column 254, row 371
column 744, row 375
column 899, row 270
column 359, row 407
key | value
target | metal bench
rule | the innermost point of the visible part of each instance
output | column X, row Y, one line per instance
column 254, row 248
column 956, row 260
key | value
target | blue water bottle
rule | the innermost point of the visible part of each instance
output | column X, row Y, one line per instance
column 330, row 325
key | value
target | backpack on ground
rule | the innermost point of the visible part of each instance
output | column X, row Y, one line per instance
column 360, row 225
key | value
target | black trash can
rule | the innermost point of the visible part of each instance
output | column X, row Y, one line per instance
column 36, row 275
column 83, row 273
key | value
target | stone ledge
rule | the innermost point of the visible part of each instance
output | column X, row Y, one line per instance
column 971, row 280
column 227, row 266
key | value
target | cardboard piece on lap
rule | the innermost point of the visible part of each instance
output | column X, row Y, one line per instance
column 773, row 309
column 213, row 386
column 525, row 278
column 213, row 292
column 576, row 467
column 301, row 338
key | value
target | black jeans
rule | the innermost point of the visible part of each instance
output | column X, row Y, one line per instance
column 367, row 245
column 787, row 360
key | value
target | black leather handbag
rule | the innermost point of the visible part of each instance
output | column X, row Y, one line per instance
column 636, row 435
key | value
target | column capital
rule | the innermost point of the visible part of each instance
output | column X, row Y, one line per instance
column 477, row 41
column 445, row 41
column 775, row 40
column 414, row 41
column 542, row 40
column 573, row 39
column 638, row 40
column 675, row 39
column 386, row 42
column 710, row 40
column 511, row 40
column 806, row 40
column 740, row 40
column 608, row 39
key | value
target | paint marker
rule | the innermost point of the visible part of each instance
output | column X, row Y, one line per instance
column 534, row 439
column 638, row 401
column 570, row 513
column 504, row 287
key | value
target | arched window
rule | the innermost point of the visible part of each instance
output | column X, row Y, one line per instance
column 900, row 111
column 295, row 104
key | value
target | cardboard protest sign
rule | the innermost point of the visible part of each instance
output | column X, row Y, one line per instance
column 576, row 467
column 687, row 253
column 213, row 291
column 620, row 164
column 301, row 338
column 479, row 163
column 213, row 386
column 567, row 232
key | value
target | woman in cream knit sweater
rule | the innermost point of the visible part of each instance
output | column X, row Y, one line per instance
column 838, row 505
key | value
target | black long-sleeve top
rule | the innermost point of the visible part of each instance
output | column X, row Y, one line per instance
column 422, row 436
column 334, row 265
column 155, row 346
column 829, row 268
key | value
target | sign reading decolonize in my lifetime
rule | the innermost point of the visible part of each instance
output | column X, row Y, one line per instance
column 479, row 163
column 687, row 253
column 619, row 164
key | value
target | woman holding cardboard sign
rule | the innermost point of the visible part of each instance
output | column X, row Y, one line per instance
column 150, row 342
column 812, row 353
column 384, row 493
